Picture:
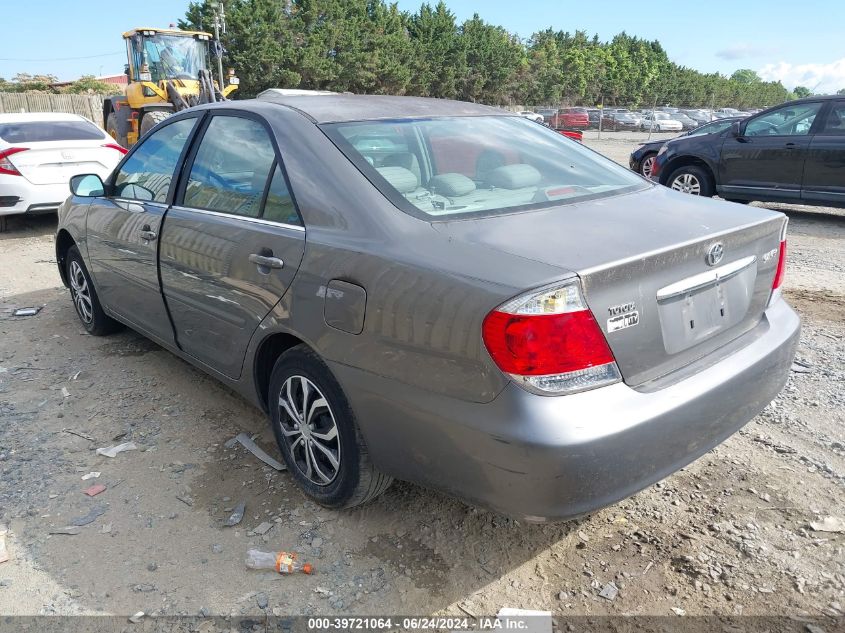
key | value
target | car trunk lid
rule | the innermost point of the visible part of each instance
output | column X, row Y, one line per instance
column 642, row 260
column 53, row 163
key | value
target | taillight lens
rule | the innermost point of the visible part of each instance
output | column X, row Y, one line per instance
column 549, row 342
column 120, row 149
column 6, row 166
column 781, row 269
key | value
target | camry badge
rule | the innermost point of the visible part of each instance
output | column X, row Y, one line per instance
column 714, row 254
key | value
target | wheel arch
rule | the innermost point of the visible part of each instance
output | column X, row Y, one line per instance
column 64, row 242
column 266, row 355
column 684, row 161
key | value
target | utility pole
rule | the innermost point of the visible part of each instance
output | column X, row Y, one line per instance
column 219, row 27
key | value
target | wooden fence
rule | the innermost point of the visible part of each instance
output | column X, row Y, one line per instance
column 89, row 106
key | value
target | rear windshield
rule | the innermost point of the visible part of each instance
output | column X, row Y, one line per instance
column 39, row 131
column 467, row 166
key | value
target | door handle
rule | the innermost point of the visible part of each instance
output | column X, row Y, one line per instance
column 147, row 234
column 266, row 261
column 790, row 146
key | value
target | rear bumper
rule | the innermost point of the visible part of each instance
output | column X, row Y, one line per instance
column 546, row 458
column 31, row 198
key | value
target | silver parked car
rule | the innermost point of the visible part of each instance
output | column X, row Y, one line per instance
column 439, row 292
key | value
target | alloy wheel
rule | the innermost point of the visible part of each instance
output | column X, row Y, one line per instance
column 310, row 430
column 81, row 293
column 647, row 166
column 687, row 183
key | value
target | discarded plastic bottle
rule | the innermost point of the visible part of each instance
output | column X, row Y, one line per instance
column 282, row 562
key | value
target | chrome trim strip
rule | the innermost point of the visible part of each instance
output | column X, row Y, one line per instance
column 759, row 188
column 705, row 279
column 160, row 205
column 281, row 225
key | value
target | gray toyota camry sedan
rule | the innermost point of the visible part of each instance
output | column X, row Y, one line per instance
column 439, row 292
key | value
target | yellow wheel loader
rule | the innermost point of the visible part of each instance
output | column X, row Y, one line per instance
column 167, row 72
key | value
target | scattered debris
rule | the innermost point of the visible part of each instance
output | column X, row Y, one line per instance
column 678, row 611
column 92, row 515
column 78, row 434
column 70, row 529
column 263, row 528
column 237, row 515
column 253, row 448
column 94, row 490
column 91, row 475
column 26, row 312
column 829, row 524
column 188, row 501
column 798, row 369
column 136, row 619
column 609, row 591
column 65, row 393
column 106, row 529
column 112, row 451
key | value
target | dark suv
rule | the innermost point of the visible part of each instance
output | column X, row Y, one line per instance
column 794, row 152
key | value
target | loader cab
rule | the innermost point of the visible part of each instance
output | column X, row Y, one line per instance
column 157, row 55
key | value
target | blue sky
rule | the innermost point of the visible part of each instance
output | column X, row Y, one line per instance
column 798, row 43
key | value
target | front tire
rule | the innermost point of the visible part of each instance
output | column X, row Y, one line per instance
column 317, row 434
column 692, row 179
column 85, row 299
column 647, row 164
column 151, row 119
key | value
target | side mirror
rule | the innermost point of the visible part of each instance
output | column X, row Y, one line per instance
column 87, row 185
column 736, row 129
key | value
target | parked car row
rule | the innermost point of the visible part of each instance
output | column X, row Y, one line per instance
column 794, row 152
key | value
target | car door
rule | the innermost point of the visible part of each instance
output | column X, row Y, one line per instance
column 124, row 229
column 824, row 171
column 767, row 156
column 231, row 243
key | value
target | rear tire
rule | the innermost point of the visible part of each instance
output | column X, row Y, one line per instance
column 692, row 179
column 151, row 119
column 85, row 299
column 113, row 130
column 4, row 223
column 317, row 434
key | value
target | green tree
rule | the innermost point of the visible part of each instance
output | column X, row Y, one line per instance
column 801, row 92
column 494, row 60
column 746, row 76
column 88, row 84
column 439, row 58
column 841, row 92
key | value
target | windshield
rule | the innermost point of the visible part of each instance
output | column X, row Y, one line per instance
column 466, row 166
column 174, row 57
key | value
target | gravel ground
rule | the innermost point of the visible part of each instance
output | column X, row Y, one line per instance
column 730, row 534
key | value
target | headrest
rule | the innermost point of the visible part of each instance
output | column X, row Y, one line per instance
column 452, row 184
column 403, row 180
column 514, row 176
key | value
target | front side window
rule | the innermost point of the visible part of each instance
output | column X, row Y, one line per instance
column 147, row 173
column 462, row 166
column 788, row 120
column 231, row 168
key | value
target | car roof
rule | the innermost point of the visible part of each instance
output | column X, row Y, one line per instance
column 25, row 117
column 332, row 108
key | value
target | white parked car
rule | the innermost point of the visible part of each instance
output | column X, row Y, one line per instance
column 40, row 151
column 660, row 122
column 538, row 118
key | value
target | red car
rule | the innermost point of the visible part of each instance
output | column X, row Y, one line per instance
column 571, row 118
column 576, row 135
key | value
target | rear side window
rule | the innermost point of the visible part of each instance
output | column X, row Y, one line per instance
column 835, row 123
column 231, row 167
column 43, row 131
column 279, row 205
column 147, row 173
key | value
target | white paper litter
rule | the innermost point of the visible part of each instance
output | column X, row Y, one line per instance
column 92, row 475
column 112, row 451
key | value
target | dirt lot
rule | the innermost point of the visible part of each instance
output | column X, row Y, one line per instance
column 728, row 535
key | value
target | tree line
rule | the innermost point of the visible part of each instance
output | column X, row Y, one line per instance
column 370, row 46
column 87, row 84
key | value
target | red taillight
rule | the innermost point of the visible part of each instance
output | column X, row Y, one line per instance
column 781, row 269
column 6, row 166
column 120, row 149
column 543, row 344
column 550, row 342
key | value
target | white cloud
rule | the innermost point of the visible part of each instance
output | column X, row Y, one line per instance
column 820, row 78
column 742, row 51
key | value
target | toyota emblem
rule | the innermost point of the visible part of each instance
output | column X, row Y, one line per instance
column 715, row 254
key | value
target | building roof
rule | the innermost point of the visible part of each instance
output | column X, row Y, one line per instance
column 331, row 108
